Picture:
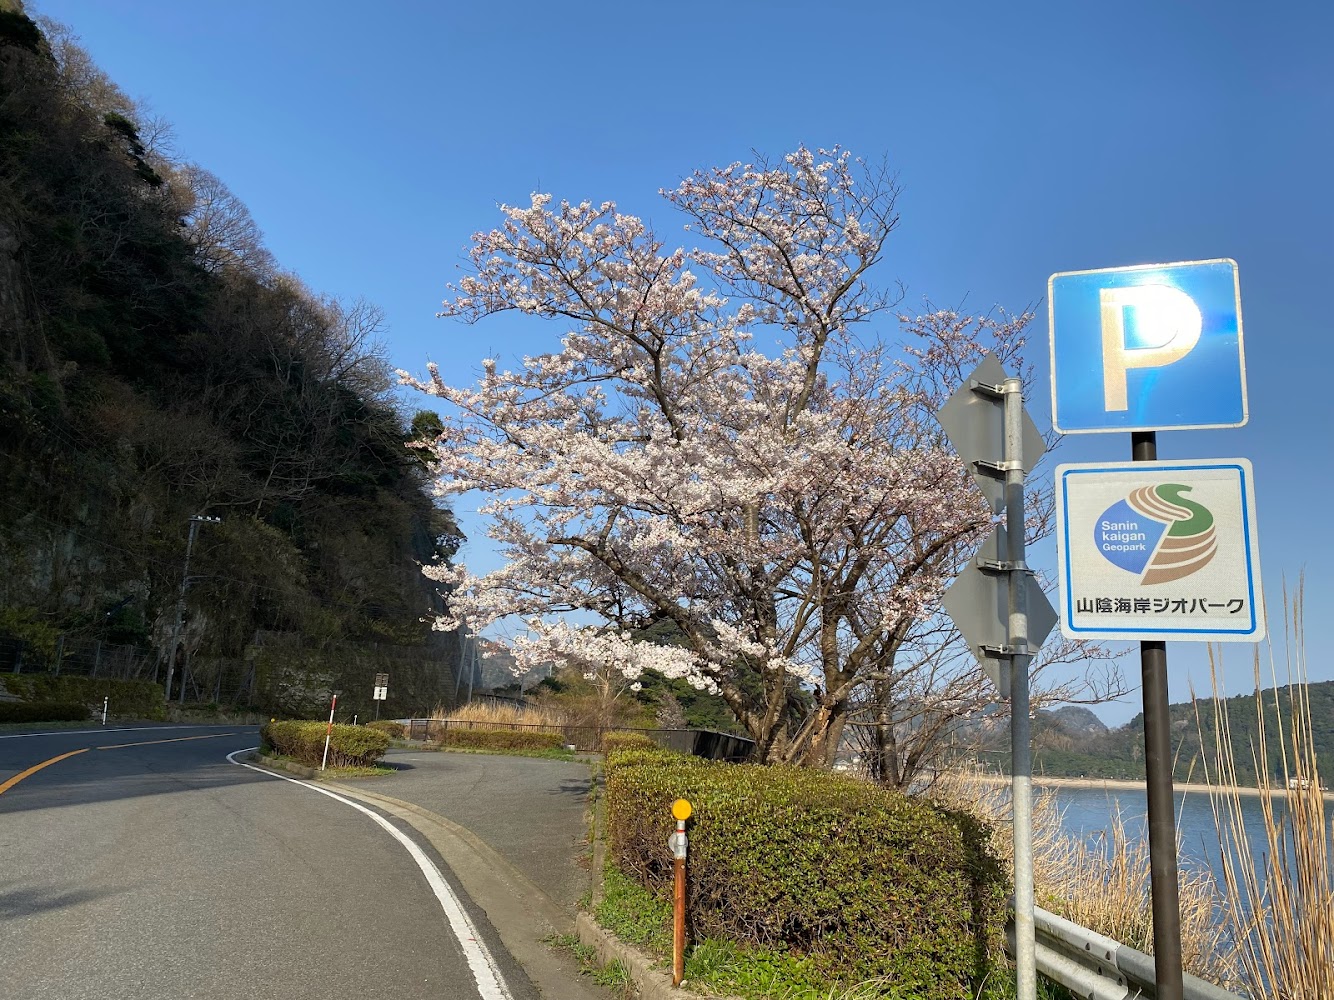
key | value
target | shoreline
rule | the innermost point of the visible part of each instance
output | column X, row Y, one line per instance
column 1122, row 784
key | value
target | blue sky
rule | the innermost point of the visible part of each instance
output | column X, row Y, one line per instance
column 370, row 141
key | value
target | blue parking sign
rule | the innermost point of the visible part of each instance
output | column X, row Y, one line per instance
column 1147, row 348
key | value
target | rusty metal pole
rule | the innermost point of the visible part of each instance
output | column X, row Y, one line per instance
column 679, row 912
column 681, row 810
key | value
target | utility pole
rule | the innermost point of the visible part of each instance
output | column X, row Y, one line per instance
column 195, row 521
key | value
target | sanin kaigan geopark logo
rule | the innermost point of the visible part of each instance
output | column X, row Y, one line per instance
column 1157, row 533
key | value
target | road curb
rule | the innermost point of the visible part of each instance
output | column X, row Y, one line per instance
column 652, row 983
column 273, row 764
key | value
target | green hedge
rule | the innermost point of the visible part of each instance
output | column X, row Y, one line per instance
column 349, row 746
column 394, row 730
column 497, row 739
column 42, row 711
column 863, row 881
column 128, row 699
column 614, row 741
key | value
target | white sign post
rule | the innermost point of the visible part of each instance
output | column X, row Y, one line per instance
column 380, row 692
column 1159, row 550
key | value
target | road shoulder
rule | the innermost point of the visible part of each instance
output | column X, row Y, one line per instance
column 523, row 916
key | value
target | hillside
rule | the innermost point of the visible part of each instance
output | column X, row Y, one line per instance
column 1063, row 747
column 156, row 363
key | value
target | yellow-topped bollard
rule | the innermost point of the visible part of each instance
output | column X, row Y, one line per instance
column 681, row 810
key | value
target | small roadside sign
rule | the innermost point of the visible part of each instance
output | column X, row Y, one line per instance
column 974, row 420
column 1146, row 348
column 1159, row 550
column 978, row 603
column 381, row 688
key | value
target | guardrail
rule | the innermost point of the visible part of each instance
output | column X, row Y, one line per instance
column 1094, row 967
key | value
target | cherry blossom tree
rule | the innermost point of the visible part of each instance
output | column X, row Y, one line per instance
column 724, row 442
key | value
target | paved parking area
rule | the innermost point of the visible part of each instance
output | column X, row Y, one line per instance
column 530, row 811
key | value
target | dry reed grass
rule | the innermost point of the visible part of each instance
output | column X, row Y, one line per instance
column 1100, row 883
column 1280, row 906
column 498, row 713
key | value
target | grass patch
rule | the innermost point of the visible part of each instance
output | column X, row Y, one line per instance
column 633, row 914
column 547, row 753
column 1102, row 883
column 17, row 727
column 1279, row 884
column 505, row 715
column 613, row 976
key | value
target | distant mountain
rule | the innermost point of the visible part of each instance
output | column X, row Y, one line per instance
column 1075, row 720
column 1072, row 742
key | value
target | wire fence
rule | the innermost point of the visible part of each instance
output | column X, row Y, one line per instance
column 72, row 657
column 206, row 679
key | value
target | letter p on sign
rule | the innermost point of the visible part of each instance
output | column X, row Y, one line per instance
column 1143, row 326
column 1151, row 347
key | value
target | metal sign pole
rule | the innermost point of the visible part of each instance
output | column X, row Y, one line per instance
column 1021, row 793
column 1162, row 806
column 997, row 605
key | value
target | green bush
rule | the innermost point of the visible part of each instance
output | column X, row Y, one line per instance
column 127, row 699
column 42, row 711
column 613, row 741
column 394, row 730
column 497, row 739
column 349, row 746
column 637, row 755
column 864, row 882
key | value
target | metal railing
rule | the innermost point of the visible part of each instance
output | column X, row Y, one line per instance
column 1094, row 967
column 698, row 742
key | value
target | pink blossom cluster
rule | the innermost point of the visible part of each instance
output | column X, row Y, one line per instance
column 788, row 508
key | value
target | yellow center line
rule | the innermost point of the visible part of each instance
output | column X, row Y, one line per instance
column 177, row 739
column 35, row 768
column 6, row 786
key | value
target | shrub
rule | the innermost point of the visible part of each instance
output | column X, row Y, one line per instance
column 497, row 739
column 611, row 742
column 134, row 699
column 394, row 730
column 863, row 881
column 499, row 713
column 349, row 746
column 42, row 711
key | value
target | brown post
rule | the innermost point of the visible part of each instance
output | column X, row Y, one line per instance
column 681, row 810
column 679, row 916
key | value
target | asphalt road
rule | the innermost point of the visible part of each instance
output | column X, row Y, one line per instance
column 162, row 870
column 530, row 811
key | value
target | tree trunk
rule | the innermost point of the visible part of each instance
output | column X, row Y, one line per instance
column 884, row 763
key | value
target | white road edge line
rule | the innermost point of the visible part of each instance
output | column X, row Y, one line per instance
column 112, row 729
column 490, row 983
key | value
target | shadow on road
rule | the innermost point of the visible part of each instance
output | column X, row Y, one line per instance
column 16, row 904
